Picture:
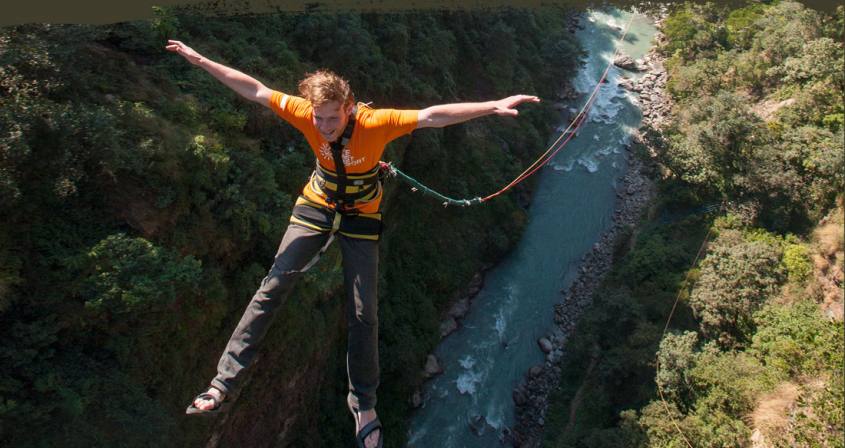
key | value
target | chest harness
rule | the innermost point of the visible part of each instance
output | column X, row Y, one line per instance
column 342, row 191
column 341, row 188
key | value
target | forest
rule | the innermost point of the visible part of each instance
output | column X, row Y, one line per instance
column 753, row 353
column 143, row 202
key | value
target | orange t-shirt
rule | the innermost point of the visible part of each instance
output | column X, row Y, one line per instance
column 374, row 129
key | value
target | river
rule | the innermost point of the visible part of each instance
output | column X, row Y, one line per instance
column 470, row 404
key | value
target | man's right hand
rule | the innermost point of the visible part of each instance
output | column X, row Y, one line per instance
column 245, row 85
column 185, row 51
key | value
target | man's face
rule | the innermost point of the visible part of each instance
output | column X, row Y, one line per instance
column 330, row 119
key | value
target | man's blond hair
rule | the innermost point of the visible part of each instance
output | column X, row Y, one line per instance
column 323, row 86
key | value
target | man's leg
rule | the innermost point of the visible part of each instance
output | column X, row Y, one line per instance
column 299, row 245
column 360, row 275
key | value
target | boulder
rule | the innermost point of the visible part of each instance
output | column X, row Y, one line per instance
column 447, row 327
column 625, row 62
column 518, row 396
column 460, row 308
column 626, row 84
column 545, row 345
column 475, row 284
column 432, row 366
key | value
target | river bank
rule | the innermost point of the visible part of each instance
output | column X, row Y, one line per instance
column 468, row 400
column 635, row 193
column 462, row 300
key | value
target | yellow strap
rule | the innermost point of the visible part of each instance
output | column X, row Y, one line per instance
column 336, row 223
column 296, row 220
column 302, row 200
column 349, row 188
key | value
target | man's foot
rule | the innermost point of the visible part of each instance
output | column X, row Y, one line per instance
column 362, row 419
column 206, row 404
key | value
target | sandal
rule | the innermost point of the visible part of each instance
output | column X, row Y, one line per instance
column 367, row 430
column 220, row 404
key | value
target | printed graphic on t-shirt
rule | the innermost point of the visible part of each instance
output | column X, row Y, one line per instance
column 348, row 160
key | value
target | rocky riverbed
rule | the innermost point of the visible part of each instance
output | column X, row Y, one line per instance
column 635, row 193
column 462, row 301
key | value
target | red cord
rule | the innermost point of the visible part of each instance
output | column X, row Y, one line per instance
column 573, row 126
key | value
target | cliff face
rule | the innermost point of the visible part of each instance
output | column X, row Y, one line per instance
column 144, row 203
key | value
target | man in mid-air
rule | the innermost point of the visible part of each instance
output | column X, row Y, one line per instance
column 341, row 200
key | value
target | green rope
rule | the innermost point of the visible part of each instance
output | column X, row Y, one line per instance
column 418, row 186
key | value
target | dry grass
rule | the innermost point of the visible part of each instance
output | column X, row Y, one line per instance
column 829, row 263
column 829, row 238
column 767, row 109
column 771, row 416
column 773, row 420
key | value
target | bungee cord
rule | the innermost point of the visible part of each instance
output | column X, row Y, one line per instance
column 565, row 136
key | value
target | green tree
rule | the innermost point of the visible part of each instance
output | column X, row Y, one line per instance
column 736, row 278
column 796, row 340
column 740, row 25
column 675, row 360
column 713, row 143
column 692, row 31
column 798, row 177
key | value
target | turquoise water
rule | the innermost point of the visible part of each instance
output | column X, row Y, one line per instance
column 573, row 204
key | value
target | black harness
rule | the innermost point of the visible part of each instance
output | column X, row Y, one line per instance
column 342, row 189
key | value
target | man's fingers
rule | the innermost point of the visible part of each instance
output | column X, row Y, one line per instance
column 508, row 112
column 527, row 98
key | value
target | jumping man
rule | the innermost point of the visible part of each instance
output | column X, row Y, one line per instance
column 341, row 200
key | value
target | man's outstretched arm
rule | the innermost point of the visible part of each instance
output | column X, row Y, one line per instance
column 245, row 85
column 448, row 114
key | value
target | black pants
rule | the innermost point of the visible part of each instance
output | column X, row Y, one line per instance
column 360, row 274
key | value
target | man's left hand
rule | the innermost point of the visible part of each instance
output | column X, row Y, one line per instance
column 507, row 106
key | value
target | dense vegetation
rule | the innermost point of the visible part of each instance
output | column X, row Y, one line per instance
column 142, row 203
column 754, row 351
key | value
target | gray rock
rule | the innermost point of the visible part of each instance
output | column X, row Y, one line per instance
column 625, row 62
column 545, row 345
column 518, row 396
column 475, row 285
column 460, row 308
column 432, row 366
column 447, row 327
column 535, row 370
column 626, row 84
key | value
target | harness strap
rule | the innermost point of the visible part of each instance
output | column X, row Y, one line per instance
column 358, row 186
column 337, row 155
column 366, row 226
